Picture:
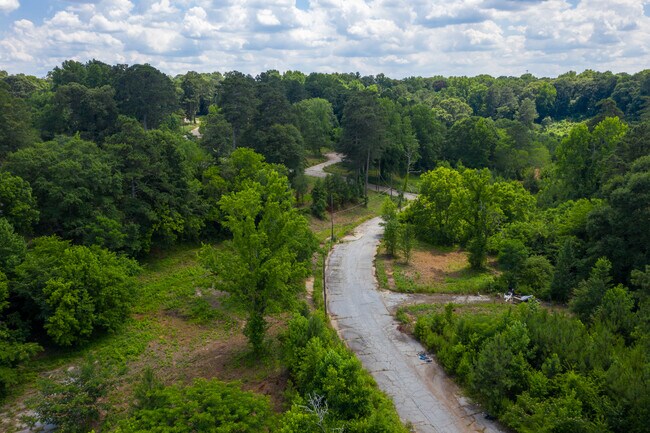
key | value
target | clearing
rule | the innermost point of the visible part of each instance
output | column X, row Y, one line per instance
column 433, row 270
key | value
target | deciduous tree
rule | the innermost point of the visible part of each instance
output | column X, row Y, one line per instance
column 264, row 263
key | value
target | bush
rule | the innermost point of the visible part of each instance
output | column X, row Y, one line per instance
column 71, row 401
column 72, row 291
column 205, row 406
column 536, row 275
column 321, row 366
column 13, row 350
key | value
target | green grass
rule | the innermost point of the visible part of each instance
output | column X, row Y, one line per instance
column 187, row 127
column 315, row 159
column 167, row 282
column 408, row 314
column 468, row 282
column 339, row 168
column 382, row 277
column 345, row 220
column 396, row 181
column 457, row 276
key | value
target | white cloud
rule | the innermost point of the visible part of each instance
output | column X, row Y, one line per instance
column 164, row 7
column 7, row 6
column 266, row 17
column 419, row 37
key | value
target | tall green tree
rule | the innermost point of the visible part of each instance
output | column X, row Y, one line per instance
column 216, row 133
column 590, row 292
column 582, row 156
column 193, row 87
column 263, row 265
column 430, row 134
column 391, row 226
column 527, row 112
column 283, row 144
column 15, row 123
column 440, row 206
column 316, row 121
column 17, row 204
column 13, row 350
column 71, row 71
column 89, row 111
column 159, row 198
column 145, row 93
column 238, row 101
column 364, row 131
column 75, row 184
column 481, row 214
column 618, row 228
column 472, row 141
column 12, row 247
column 565, row 275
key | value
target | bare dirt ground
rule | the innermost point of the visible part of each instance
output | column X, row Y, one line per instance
column 427, row 266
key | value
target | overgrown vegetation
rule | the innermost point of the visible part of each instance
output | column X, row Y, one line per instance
column 552, row 176
column 541, row 371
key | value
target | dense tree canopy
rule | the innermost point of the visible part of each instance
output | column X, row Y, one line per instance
column 145, row 93
column 550, row 175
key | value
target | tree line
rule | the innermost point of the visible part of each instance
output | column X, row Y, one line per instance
column 550, row 175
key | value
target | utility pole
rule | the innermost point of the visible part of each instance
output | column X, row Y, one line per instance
column 324, row 282
column 332, row 216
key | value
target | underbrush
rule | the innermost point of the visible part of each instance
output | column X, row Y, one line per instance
column 540, row 371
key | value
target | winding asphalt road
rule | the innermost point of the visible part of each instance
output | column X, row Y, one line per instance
column 422, row 393
column 333, row 158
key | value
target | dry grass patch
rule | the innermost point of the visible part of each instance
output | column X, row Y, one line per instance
column 434, row 270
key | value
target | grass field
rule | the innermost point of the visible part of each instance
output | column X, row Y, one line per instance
column 407, row 315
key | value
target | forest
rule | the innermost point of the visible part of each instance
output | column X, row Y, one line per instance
column 103, row 167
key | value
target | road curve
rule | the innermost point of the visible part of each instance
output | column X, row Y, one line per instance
column 317, row 170
column 333, row 158
column 422, row 392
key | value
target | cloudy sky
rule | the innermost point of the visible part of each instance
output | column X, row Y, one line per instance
column 398, row 38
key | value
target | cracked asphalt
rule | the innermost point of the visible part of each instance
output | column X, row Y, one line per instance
column 422, row 393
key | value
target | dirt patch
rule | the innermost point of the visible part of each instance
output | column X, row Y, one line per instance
column 428, row 266
column 185, row 351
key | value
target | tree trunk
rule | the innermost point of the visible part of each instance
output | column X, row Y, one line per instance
column 365, row 189
column 406, row 181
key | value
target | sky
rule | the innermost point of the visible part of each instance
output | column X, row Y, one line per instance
column 397, row 38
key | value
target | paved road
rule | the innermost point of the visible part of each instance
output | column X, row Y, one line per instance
column 333, row 158
column 317, row 170
column 422, row 393
column 195, row 132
